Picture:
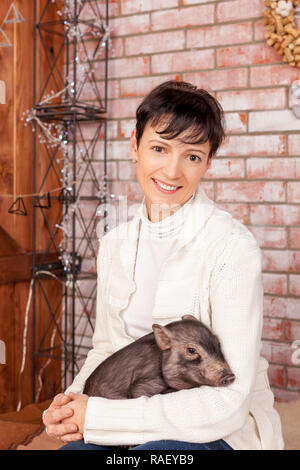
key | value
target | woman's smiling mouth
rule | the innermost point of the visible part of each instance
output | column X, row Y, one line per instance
column 165, row 188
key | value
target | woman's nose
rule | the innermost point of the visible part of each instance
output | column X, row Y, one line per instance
column 172, row 168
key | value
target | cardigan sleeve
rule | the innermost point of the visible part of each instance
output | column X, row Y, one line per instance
column 200, row 414
column 102, row 347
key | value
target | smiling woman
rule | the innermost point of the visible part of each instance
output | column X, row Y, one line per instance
column 191, row 259
column 168, row 171
column 179, row 128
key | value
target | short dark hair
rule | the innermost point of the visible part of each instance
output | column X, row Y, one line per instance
column 187, row 108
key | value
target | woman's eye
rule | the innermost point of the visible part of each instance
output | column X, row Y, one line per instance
column 194, row 158
column 157, row 148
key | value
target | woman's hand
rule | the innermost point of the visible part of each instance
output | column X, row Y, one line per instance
column 78, row 406
column 53, row 420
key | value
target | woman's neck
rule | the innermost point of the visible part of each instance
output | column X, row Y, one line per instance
column 167, row 226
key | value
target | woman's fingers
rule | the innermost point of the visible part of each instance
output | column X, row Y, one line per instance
column 59, row 430
column 60, row 400
column 55, row 415
column 72, row 437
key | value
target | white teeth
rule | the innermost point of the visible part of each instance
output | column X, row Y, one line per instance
column 165, row 186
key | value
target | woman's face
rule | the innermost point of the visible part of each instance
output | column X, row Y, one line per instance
column 168, row 171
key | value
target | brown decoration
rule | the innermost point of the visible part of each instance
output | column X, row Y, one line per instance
column 282, row 33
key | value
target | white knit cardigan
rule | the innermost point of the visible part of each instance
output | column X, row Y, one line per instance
column 215, row 275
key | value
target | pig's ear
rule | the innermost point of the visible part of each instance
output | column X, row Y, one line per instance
column 162, row 336
column 188, row 317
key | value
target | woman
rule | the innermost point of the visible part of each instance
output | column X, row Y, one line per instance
column 179, row 255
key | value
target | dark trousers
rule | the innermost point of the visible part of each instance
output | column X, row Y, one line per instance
column 153, row 445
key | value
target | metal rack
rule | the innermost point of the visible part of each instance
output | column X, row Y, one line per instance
column 73, row 163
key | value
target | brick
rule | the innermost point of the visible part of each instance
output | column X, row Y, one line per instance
column 98, row 150
column 270, row 237
column 294, row 144
column 294, row 238
column 275, row 283
column 239, row 9
column 126, row 127
column 183, row 61
column 285, row 395
column 283, row 120
column 128, row 67
column 91, row 130
column 276, row 375
column 131, row 190
column 122, row 26
column 292, row 100
column 281, row 260
column 192, row 2
column 250, row 191
column 129, row 7
column 246, row 55
column 282, row 307
column 273, row 75
column 273, row 168
column 127, row 171
column 98, row 168
column 182, row 17
column 226, row 168
column 88, row 266
column 252, row 99
column 208, row 188
column 124, row 108
column 293, row 191
column 235, row 123
column 259, row 30
column 118, row 150
column 88, row 50
column 258, row 145
column 292, row 330
column 294, row 284
column 218, row 79
column 115, row 48
column 219, row 35
column 278, row 352
column 142, row 86
column 293, row 377
column 238, row 211
column 283, row 214
column 152, row 43
column 87, row 12
column 272, row 329
column 88, row 90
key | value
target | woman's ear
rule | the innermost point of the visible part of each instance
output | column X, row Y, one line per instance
column 133, row 144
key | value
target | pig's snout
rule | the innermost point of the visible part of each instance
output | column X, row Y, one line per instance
column 227, row 377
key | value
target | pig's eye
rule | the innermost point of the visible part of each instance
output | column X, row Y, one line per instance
column 191, row 350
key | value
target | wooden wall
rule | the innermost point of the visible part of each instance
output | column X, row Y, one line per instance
column 16, row 231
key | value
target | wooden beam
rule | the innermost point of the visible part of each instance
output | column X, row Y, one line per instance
column 18, row 267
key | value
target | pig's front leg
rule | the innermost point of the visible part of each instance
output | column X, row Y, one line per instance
column 148, row 387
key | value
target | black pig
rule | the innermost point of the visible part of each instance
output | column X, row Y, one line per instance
column 181, row 355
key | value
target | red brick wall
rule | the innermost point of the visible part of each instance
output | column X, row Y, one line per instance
column 220, row 46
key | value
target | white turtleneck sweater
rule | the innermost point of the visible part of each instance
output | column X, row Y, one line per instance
column 215, row 275
column 157, row 240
